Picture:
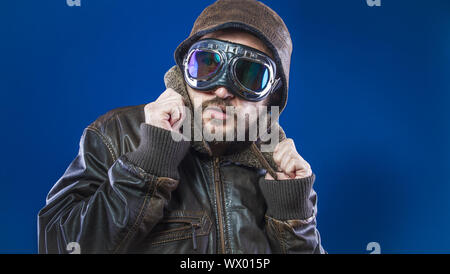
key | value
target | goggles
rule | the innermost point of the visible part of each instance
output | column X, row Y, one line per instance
column 245, row 71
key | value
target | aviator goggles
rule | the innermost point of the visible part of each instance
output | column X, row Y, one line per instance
column 245, row 71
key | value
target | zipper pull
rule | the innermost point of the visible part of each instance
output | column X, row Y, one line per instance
column 194, row 238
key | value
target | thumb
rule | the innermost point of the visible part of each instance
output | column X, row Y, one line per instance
column 280, row 176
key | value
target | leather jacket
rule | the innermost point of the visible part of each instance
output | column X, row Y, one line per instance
column 174, row 199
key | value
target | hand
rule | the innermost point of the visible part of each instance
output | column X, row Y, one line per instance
column 290, row 164
column 167, row 111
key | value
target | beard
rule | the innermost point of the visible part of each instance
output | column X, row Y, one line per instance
column 226, row 134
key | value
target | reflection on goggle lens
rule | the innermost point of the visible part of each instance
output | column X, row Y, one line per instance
column 203, row 63
column 252, row 75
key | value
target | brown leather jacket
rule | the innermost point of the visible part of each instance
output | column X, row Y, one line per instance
column 132, row 189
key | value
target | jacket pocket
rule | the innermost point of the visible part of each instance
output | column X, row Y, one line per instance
column 181, row 225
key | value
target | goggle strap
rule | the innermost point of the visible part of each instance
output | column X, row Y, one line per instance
column 276, row 85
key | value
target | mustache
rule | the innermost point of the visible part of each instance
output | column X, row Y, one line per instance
column 216, row 101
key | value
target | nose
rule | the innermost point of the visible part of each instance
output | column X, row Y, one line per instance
column 222, row 92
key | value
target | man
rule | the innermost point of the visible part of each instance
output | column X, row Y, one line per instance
column 138, row 185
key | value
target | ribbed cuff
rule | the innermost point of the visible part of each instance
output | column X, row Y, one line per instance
column 157, row 153
column 288, row 199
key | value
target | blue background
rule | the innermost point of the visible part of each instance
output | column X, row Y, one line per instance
column 368, row 106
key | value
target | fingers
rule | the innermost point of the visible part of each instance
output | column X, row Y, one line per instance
column 280, row 151
column 288, row 158
column 289, row 166
column 268, row 176
column 175, row 114
column 298, row 168
column 280, row 176
column 167, row 111
column 289, row 161
column 173, row 105
column 177, row 118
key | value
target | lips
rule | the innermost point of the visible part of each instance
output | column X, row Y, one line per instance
column 216, row 112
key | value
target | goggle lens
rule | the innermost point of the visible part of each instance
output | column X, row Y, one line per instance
column 203, row 64
column 252, row 75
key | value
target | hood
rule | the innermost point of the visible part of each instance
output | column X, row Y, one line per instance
column 250, row 155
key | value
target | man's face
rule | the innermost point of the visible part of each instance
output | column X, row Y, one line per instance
column 211, row 104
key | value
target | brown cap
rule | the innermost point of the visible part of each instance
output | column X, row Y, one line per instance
column 251, row 16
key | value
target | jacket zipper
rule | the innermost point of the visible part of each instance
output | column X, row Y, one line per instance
column 194, row 226
column 194, row 237
column 218, row 187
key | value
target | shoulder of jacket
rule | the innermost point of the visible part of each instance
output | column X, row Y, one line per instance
column 119, row 126
column 119, row 117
